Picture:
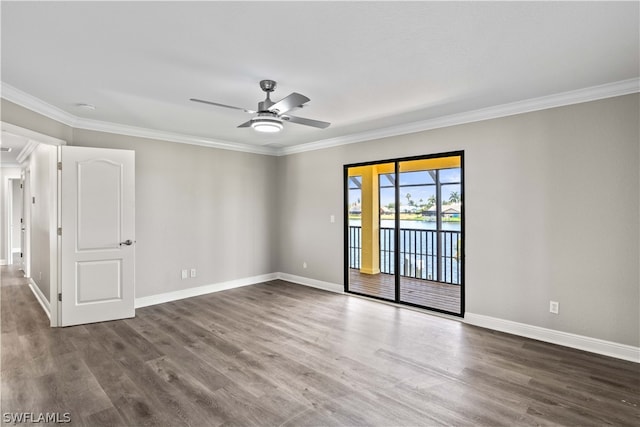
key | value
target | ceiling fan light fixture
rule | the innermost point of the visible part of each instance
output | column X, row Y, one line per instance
column 266, row 125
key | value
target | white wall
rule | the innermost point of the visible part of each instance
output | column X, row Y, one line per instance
column 552, row 211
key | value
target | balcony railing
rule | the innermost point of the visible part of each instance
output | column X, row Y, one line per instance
column 419, row 255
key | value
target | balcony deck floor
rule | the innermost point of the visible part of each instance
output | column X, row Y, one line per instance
column 426, row 293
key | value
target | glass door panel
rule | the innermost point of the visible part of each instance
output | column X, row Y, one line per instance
column 430, row 233
column 371, row 230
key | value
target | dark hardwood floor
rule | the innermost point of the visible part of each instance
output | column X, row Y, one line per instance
column 281, row 354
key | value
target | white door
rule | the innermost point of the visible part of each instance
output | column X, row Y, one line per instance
column 97, row 243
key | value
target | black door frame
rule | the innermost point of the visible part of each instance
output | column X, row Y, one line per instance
column 397, row 161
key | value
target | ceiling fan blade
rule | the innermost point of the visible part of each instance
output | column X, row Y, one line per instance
column 308, row 122
column 222, row 105
column 245, row 124
column 289, row 102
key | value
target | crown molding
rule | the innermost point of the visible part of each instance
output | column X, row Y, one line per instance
column 36, row 105
column 95, row 125
column 593, row 93
column 27, row 150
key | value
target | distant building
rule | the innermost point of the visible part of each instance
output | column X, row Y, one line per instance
column 408, row 209
column 448, row 211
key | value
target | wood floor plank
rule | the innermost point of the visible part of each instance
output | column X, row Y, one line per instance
column 282, row 354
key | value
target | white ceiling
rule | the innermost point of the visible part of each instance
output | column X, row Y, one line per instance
column 365, row 65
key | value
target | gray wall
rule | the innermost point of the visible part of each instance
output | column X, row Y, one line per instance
column 552, row 201
column 16, row 214
column 552, row 211
column 197, row 207
column 42, row 160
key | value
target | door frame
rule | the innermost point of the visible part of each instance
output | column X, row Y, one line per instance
column 397, row 162
column 34, row 140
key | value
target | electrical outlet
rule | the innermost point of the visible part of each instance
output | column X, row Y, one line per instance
column 554, row 307
column 193, row 272
column 304, row 265
column 184, row 274
column 332, row 219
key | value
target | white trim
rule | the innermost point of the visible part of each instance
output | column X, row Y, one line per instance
column 26, row 151
column 201, row 290
column 580, row 342
column 10, row 165
column 32, row 103
column 30, row 134
column 16, row 250
column 593, row 93
column 319, row 284
column 40, row 297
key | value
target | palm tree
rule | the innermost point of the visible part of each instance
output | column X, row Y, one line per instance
column 431, row 201
column 454, row 197
column 408, row 196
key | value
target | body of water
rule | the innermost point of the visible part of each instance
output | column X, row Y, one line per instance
column 411, row 224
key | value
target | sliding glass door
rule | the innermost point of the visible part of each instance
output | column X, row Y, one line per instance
column 370, row 230
column 405, row 231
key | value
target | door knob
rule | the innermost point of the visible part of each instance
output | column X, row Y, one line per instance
column 126, row 242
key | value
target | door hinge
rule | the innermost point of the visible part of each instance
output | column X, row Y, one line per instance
column 59, row 231
column 20, row 185
column 60, row 297
column 21, row 220
column 21, row 254
column 59, row 166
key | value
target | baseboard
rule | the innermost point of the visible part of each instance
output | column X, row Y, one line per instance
column 580, row 342
column 44, row 303
column 327, row 286
column 202, row 290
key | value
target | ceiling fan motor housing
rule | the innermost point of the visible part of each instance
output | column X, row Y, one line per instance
column 271, row 114
column 267, row 85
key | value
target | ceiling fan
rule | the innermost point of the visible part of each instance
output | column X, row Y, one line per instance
column 270, row 115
